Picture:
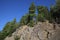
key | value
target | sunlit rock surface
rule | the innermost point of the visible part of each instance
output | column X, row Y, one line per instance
column 40, row 31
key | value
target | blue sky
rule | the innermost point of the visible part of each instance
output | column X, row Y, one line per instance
column 10, row 9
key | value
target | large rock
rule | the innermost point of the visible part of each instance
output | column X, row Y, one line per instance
column 40, row 31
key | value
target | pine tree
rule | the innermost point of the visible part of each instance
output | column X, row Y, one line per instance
column 55, row 11
column 58, row 3
column 32, row 11
column 32, row 14
column 42, row 13
column 24, row 20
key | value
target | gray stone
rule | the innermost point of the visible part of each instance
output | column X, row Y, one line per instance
column 40, row 31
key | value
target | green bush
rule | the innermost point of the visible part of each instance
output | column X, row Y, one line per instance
column 31, row 23
column 41, row 17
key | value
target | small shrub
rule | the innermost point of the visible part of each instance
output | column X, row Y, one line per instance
column 31, row 23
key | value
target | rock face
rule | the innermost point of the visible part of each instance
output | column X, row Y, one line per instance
column 40, row 31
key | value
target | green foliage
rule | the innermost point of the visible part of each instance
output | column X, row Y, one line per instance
column 32, row 11
column 42, row 13
column 32, row 8
column 32, row 16
column 8, row 29
column 3, row 35
column 58, row 3
column 40, row 9
column 31, row 23
column 55, row 12
column 24, row 20
column 41, row 17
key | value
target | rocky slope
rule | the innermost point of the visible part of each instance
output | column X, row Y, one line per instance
column 40, row 31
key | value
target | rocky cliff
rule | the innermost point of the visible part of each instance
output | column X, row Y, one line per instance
column 40, row 31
